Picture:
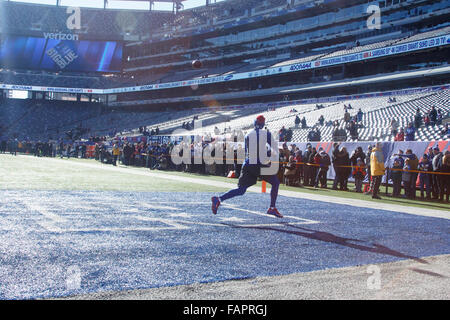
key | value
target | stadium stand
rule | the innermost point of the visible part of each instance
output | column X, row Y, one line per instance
column 30, row 120
column 261, row 40
column 375, row 124
column 232, row 37
column 377, row 116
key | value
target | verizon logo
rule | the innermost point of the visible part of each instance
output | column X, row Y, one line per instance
column 61, row 36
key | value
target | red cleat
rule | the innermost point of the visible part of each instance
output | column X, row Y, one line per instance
column 215, row 204
column 274, row 212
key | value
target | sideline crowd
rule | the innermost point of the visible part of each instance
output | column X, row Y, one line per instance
column 307, row 168
column 304, row 168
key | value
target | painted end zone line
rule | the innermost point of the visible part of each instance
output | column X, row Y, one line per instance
column 303, row 220
column 52, row 219
column 292, row 194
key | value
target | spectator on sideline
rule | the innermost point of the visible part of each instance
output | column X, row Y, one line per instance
column 358, row 153
column 313, row 167
column 341, row 160
column 334, row 153
column 414, row 162
column 446, row 169
column 346, row 170
column 127, row 153
column 3, row 146
column 298, row 166
column 396, row 176
column 399, row 158
column 377, row 169
column 116, row 153
column 438, row 178
column 306, row 167
column 324, row 163
column 369, row 172
column 13, row 146
column 290, row 171
column 68, row 150
column 96, row 152
column 425, row 167
column 238, row 161
column 410, row 189
column 430, row 155
column 407, row 178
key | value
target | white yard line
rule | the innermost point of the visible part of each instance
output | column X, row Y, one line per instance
column 51, row 219
column 292, row 194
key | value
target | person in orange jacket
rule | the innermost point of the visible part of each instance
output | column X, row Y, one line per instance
column 359, row 173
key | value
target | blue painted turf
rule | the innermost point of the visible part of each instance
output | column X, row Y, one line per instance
column 124, row 241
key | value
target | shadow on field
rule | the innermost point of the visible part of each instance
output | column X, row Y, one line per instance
column 331, row 238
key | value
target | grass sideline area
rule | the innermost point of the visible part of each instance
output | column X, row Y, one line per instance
column 31, row 173
column 27, row 173
column 337, row 193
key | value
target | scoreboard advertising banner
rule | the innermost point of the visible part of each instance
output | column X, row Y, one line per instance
column 102, row 56
column 60, row 52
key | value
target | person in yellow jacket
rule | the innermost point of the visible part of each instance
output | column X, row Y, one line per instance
column 116, row 153
column 376, row 169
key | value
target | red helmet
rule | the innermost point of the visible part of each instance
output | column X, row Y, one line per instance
column 260, row 122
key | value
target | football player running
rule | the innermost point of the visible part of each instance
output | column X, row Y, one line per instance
column 261, row 161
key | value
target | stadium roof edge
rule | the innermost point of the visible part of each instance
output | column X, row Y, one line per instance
column 157, row 0
column 150, row 2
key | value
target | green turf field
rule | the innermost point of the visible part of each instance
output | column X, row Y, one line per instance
column 28, row 172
